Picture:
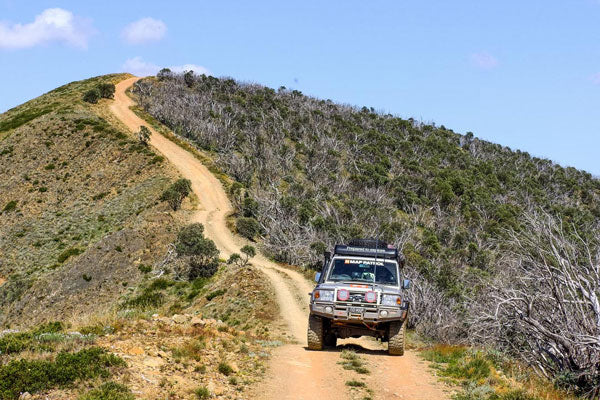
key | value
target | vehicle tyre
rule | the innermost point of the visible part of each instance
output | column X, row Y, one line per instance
column 315, row 333
column 397, row 335
column 330, row 340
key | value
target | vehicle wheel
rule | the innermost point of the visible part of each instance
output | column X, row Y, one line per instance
column 315, row 333
column 330, row 340
column 397, row 334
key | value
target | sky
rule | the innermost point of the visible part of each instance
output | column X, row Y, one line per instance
column 524, row 74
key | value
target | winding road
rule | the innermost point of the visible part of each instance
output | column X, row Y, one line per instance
column 294, row 373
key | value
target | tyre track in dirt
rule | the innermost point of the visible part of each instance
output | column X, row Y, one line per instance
column 294, row 373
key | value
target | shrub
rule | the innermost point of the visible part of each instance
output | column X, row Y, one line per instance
column 201, row 268
column 203, row 252
column 109, row 391
column 175, row 193
column 144, row 269
column 20, row 341
column 64, row 256
column 147, row 299
column 18, row 376
column 249, row 251
column 106, row 90
column 91, row 96
column 216, row 293
column 10, row 206
column 188, row 78
column 164, row 74
column 225, row 368
column 247, row 227
column 144, row 135
column 355, row 383
column 202, row 393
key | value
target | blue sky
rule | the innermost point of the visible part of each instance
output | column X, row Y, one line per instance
column 525, row 74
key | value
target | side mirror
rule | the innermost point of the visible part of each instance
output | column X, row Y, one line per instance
column 317, row 277
column 406, row 284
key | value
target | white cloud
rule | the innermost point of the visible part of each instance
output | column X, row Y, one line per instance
column 52, row 25
column 144, row 30
column 596, row 79
column 139, row 67
column 484, row 60
column 198, row 69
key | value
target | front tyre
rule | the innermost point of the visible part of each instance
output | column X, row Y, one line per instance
column 315, row 333
column 330, row 340
column 397, row 335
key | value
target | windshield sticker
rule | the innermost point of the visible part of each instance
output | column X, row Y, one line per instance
column 366, row 262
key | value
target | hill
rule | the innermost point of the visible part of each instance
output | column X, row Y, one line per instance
column 78, row 203
column 475, row 220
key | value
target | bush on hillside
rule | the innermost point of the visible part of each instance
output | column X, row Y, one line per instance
column 109, row 391
column 91, row 96
column 202, row 252
column 164, row 74
column 144, row 135
column 247, row 227
column 175, row 193
column 19, row 376
column 106, row 90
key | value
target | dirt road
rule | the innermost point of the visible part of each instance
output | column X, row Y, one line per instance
column 295, row 373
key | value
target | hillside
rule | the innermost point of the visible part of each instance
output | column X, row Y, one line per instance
column 78, row 203
column 91, row 292
column 477, row 221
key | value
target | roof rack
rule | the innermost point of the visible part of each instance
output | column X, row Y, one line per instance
column 367, row 248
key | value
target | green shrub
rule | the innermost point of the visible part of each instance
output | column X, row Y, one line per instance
column 91, row 96
column 216, row 293
column 106, row 90
column 109, row 391
column 146, row 300
column 24, row 117
column 20, row 341
column 225, row 368
column 202, row 393
column 10, row 206
column 247, row 227
column 64, row 256
column 175, row 193
column 355, row 383
column 144, row 135
column 18, row 376
column 203, row 252
column 144, row 269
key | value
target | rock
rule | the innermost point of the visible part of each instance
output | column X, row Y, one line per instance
column 197, row 321
column 178, row 318
column 25, row 395
column 214, row 389
column 135, row 351
column 154, row 316
column 234, row 367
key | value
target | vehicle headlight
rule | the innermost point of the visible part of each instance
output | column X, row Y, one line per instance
column 390, row 300
column 323, row 295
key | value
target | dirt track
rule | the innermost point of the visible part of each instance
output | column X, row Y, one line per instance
column 295, row 373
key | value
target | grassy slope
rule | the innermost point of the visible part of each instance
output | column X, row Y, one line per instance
column 80, row 207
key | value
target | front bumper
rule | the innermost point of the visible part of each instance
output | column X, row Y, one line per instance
column 348, row 312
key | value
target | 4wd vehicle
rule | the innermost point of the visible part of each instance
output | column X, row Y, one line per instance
column 359, row 293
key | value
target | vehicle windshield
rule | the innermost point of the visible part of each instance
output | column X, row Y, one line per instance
column 370, row 271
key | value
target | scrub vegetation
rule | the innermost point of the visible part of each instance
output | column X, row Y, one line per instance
column 75, row 188
column 494, row 238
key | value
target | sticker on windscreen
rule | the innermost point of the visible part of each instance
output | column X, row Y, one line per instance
column 364, row 262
